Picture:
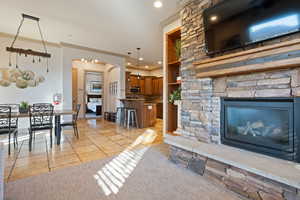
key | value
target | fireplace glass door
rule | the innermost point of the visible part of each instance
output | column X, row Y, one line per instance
column 260, row 124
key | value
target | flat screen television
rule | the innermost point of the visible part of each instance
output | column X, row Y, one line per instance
column 237, row 23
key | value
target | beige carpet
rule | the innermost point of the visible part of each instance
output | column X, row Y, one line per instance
column 141, row 174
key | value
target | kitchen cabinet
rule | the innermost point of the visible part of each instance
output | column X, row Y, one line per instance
column 157, row 85
column 159, row 108
column 134, row 81
column 146, row 112
column 127, row 85
column 148, row 85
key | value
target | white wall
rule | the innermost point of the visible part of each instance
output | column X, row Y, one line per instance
column 44, row 92
column 113, row 75
column 59, row 79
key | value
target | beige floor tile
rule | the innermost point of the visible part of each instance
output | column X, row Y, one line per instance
column 90, row 156
column 85, row 149
column 98, row 139
column 55, row 161
column 117, row 137
column 124, row 142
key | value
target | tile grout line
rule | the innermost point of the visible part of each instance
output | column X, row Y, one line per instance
column 47, row 153
column 99, row 148
column 74, row 150
column 14, row 164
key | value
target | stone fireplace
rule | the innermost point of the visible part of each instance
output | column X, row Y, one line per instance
column 264, row 125
column 246, row 99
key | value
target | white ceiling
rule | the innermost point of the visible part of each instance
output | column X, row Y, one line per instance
column 113, row 25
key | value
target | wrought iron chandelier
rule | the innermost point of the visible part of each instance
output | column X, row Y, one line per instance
column 26, row 52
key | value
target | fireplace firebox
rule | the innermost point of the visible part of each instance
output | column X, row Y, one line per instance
column 269, row 126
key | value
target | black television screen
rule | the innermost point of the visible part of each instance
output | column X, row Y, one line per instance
column 238, row 23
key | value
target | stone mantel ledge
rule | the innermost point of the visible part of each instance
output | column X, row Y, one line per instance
column 283, row 55
column 282, row 171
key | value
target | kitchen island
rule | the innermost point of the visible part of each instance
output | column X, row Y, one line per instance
column 146, row 111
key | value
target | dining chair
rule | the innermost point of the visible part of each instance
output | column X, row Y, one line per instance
column 41, row 118
column 73, row 123
column 8, row 124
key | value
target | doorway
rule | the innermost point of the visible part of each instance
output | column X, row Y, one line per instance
column 93, row 95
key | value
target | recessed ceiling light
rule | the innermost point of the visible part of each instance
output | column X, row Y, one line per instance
column 159, row 62
column 157, row 4
column 146, row 66
column 141, row 59
column 128, row 63
column 214, row 18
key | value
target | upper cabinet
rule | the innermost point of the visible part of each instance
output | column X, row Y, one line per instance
column 157, row 86
column 148, row 85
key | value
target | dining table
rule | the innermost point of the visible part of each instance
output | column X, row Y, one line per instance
column 57, row 113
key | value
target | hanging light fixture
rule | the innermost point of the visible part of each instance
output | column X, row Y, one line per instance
column 138, row 60
column 26, row 52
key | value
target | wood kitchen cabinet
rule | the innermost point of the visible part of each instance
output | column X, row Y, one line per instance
column 142, row 85
column 134, row 81
column 149, row 114
column 148, row 85
column 157, row 85
column 146, row 112
column 127, row 85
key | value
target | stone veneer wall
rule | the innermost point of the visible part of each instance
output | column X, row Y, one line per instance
column 201, row 97
column 244, row 183
column 201, row 108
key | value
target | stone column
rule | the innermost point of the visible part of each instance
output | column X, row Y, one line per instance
column 179, row 127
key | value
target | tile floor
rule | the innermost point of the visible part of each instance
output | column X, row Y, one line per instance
column 98, row 139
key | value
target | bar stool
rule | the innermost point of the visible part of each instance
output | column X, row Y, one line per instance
column 106, row 114
column 121, row 116
column 132, row 118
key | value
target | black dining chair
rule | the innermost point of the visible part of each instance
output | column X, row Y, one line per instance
column 41, row 118
column 8, row 124
column 73, row 123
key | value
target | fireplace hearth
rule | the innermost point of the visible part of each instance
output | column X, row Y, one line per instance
column 265, row 125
